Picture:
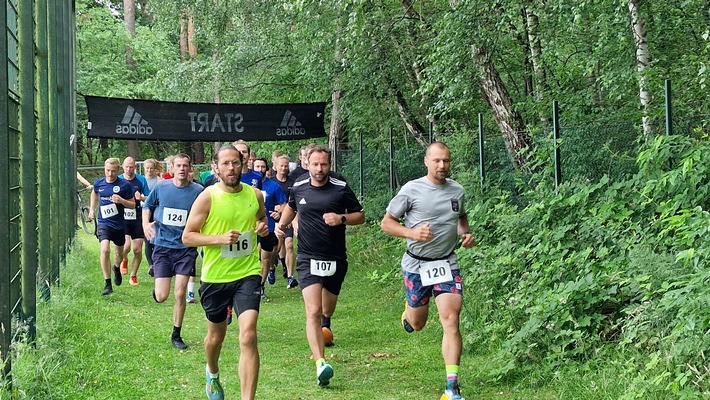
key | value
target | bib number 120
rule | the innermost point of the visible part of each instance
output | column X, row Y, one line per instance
column 434, row 272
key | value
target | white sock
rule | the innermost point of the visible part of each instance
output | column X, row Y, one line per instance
column 191, row 287
column 207, row 368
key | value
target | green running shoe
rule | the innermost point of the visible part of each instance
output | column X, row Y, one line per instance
column 324, row 373
column 213, row 388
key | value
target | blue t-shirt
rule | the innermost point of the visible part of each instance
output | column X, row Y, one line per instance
column 252, row 178
column 139, row 184
column 273, row 195
column 110, row 214
column 171, row 206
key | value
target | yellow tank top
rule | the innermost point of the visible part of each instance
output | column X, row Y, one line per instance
column 228, row 263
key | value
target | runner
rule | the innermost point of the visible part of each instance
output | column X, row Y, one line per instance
column 153, row 171
column 324, row 205
column 286, row 253
column 170, row 203
column 225, row 219
column 134, row 226
column 111, row 195
column 434, row 215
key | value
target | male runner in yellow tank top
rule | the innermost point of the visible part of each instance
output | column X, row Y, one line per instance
column 225, row 219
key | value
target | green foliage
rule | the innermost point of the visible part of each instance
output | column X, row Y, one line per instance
column 616, row 262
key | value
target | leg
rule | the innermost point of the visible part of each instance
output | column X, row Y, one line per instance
column 290, row 256
column 126, row 247
column 162, row 289
column 329, row 301
column 312, row 297
column 179, row 291
column 249, row 353
column 213, row 344
column 449, row 306
column 105, row 258
column 120, row 255
column 137, row 245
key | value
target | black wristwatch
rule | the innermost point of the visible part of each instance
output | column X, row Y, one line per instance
column 342, row 218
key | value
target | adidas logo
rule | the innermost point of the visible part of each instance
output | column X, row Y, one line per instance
column 133, row 124
column 290, row 126
column 303, row 201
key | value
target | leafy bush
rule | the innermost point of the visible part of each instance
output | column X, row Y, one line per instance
column 616, row 262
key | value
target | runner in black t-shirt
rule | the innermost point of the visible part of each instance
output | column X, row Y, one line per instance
column 285, row 253
column 324, row 205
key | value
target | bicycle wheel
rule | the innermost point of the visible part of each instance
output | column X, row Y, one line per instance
column 88, row 225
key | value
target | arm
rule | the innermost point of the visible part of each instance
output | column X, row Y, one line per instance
column 287, row 216
column 355, row 218
column 391, row 226
column 82, row 179
column 262, row 224
column 94, row 200
column 148, row 230
column 464, row 231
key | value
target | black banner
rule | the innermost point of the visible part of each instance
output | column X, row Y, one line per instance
column 202, row 122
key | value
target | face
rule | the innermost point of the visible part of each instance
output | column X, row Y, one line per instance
column 304, row 159
column 252, row 158
column 244, row 150
column 438, row 163
column 229, row 167
column 149, row 169
column 282, row 167
column 110, row 172
column 129, row 167
column 260, row 166
column 181, row 168
column 318, row 166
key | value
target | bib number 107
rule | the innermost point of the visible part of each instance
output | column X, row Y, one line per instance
column 323, row 268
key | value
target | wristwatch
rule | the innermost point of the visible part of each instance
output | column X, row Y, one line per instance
column 342, row 218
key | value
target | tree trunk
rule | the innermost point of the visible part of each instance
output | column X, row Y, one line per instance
column 198, row 149
column 638, row 27
column 337, row 135
column 183, row 37
column 129, row 20
column 509, row 121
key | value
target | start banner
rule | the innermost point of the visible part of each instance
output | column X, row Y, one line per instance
column 202, row 122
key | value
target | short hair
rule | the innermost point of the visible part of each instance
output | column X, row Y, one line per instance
column 440, row 145
column 215, row 157
column 240, row 141
column 276, row 154
column 284, row 156
column 317, row 148
column 112, row 161
column 262, row 159
column 183, row 155
column 169, row 160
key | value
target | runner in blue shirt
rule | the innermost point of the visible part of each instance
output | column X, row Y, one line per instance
column 111, row 195
column 273, row 196
column 171, row 201
column 134, row 227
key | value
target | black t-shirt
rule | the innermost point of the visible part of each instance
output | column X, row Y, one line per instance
column 297, row 172
column 306, row 175
column 315, row 238
column 285, row 185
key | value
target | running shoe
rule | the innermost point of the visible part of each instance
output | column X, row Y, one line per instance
column 327, row 336
column 452, row 393
column 133, row 280
column 108, row 289
column 405, row 324
column 271, row 278
column 191, row 297
column 151, row 272
column 178, row 343
column 324, row 372
column 292, row 283
column 229, row 315
column 213, row 388
column 124, row 266
column 117, row 278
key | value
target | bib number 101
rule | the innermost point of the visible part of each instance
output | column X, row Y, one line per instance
column 323, row 268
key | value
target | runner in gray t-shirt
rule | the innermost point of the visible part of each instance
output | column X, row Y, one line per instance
column 434, row 217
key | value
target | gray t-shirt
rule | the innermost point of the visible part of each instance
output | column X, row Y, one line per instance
column 421, row 201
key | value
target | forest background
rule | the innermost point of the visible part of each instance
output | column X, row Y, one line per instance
column 609, row 268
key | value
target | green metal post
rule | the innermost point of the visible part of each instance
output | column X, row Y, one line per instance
column 556, row 130
column 5, row 276
column 392, row 177
column 481, row 152
column 669, row 108
column 431, row 132
column 362, row 173
column 54, row 141
column 28, row 177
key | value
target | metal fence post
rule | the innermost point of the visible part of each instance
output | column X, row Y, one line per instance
column 556, row 130
column 392, row 173
column 362, row 173
column 481, row 154
column 431, row 132
column 669, row 108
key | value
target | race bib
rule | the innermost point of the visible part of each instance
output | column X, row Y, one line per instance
column 434, row 272
column 242, row 248
column 129, row 214
column 108, row 211
column 174, row 216
column 322, row 268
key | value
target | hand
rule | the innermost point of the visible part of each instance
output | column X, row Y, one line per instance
column 116, row 198
column 422, row 233
column 262, row 228
column 138, row 195
column 332, row 219
column 278, row 230
column 91, row 215
column 467, row 241
column 275, row 215
column 230, row 237
column 148, row 230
